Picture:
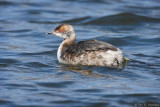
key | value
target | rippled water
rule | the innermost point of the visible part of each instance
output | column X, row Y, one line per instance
column 30, row 75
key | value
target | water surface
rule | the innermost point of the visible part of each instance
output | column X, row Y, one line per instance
column 30, row 75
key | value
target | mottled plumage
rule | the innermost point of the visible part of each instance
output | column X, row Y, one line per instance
column 88, row 52
column 90, row 45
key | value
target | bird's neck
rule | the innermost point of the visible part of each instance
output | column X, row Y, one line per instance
column 69, row 41
column 64, row 46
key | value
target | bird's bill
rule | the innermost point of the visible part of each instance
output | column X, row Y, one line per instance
column 48, row 33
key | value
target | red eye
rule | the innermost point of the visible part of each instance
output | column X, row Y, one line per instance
column 60, row 31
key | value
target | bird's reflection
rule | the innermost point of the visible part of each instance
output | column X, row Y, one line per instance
column 89, row 70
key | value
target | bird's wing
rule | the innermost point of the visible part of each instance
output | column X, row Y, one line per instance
column 90, row 45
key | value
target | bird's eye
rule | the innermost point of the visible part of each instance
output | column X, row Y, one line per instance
column 60, row 31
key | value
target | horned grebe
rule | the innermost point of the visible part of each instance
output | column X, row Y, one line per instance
column 88, row 52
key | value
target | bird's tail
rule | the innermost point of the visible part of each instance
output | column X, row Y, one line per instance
column 126, row 59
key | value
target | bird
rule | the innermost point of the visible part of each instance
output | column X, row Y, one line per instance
column 88, row 52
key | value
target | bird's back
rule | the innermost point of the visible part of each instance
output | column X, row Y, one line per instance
column 90, row 45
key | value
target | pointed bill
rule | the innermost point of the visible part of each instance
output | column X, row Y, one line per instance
column 49, row 33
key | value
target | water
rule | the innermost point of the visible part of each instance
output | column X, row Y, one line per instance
column 30, row 75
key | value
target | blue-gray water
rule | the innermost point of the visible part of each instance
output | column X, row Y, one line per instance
column 30, row 75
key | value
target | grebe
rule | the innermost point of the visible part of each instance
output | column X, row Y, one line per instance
column 88, row 52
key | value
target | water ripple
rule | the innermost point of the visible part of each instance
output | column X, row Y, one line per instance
column 74, row 20
column 88, row 90
column 55, row 85
column 36, row 64
column 123, row 19
column 6, row 3
column 16, row 31
column 6, row 62
column 5, row 103
column 39, row 53
column 39, row 11
column 117, row 19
